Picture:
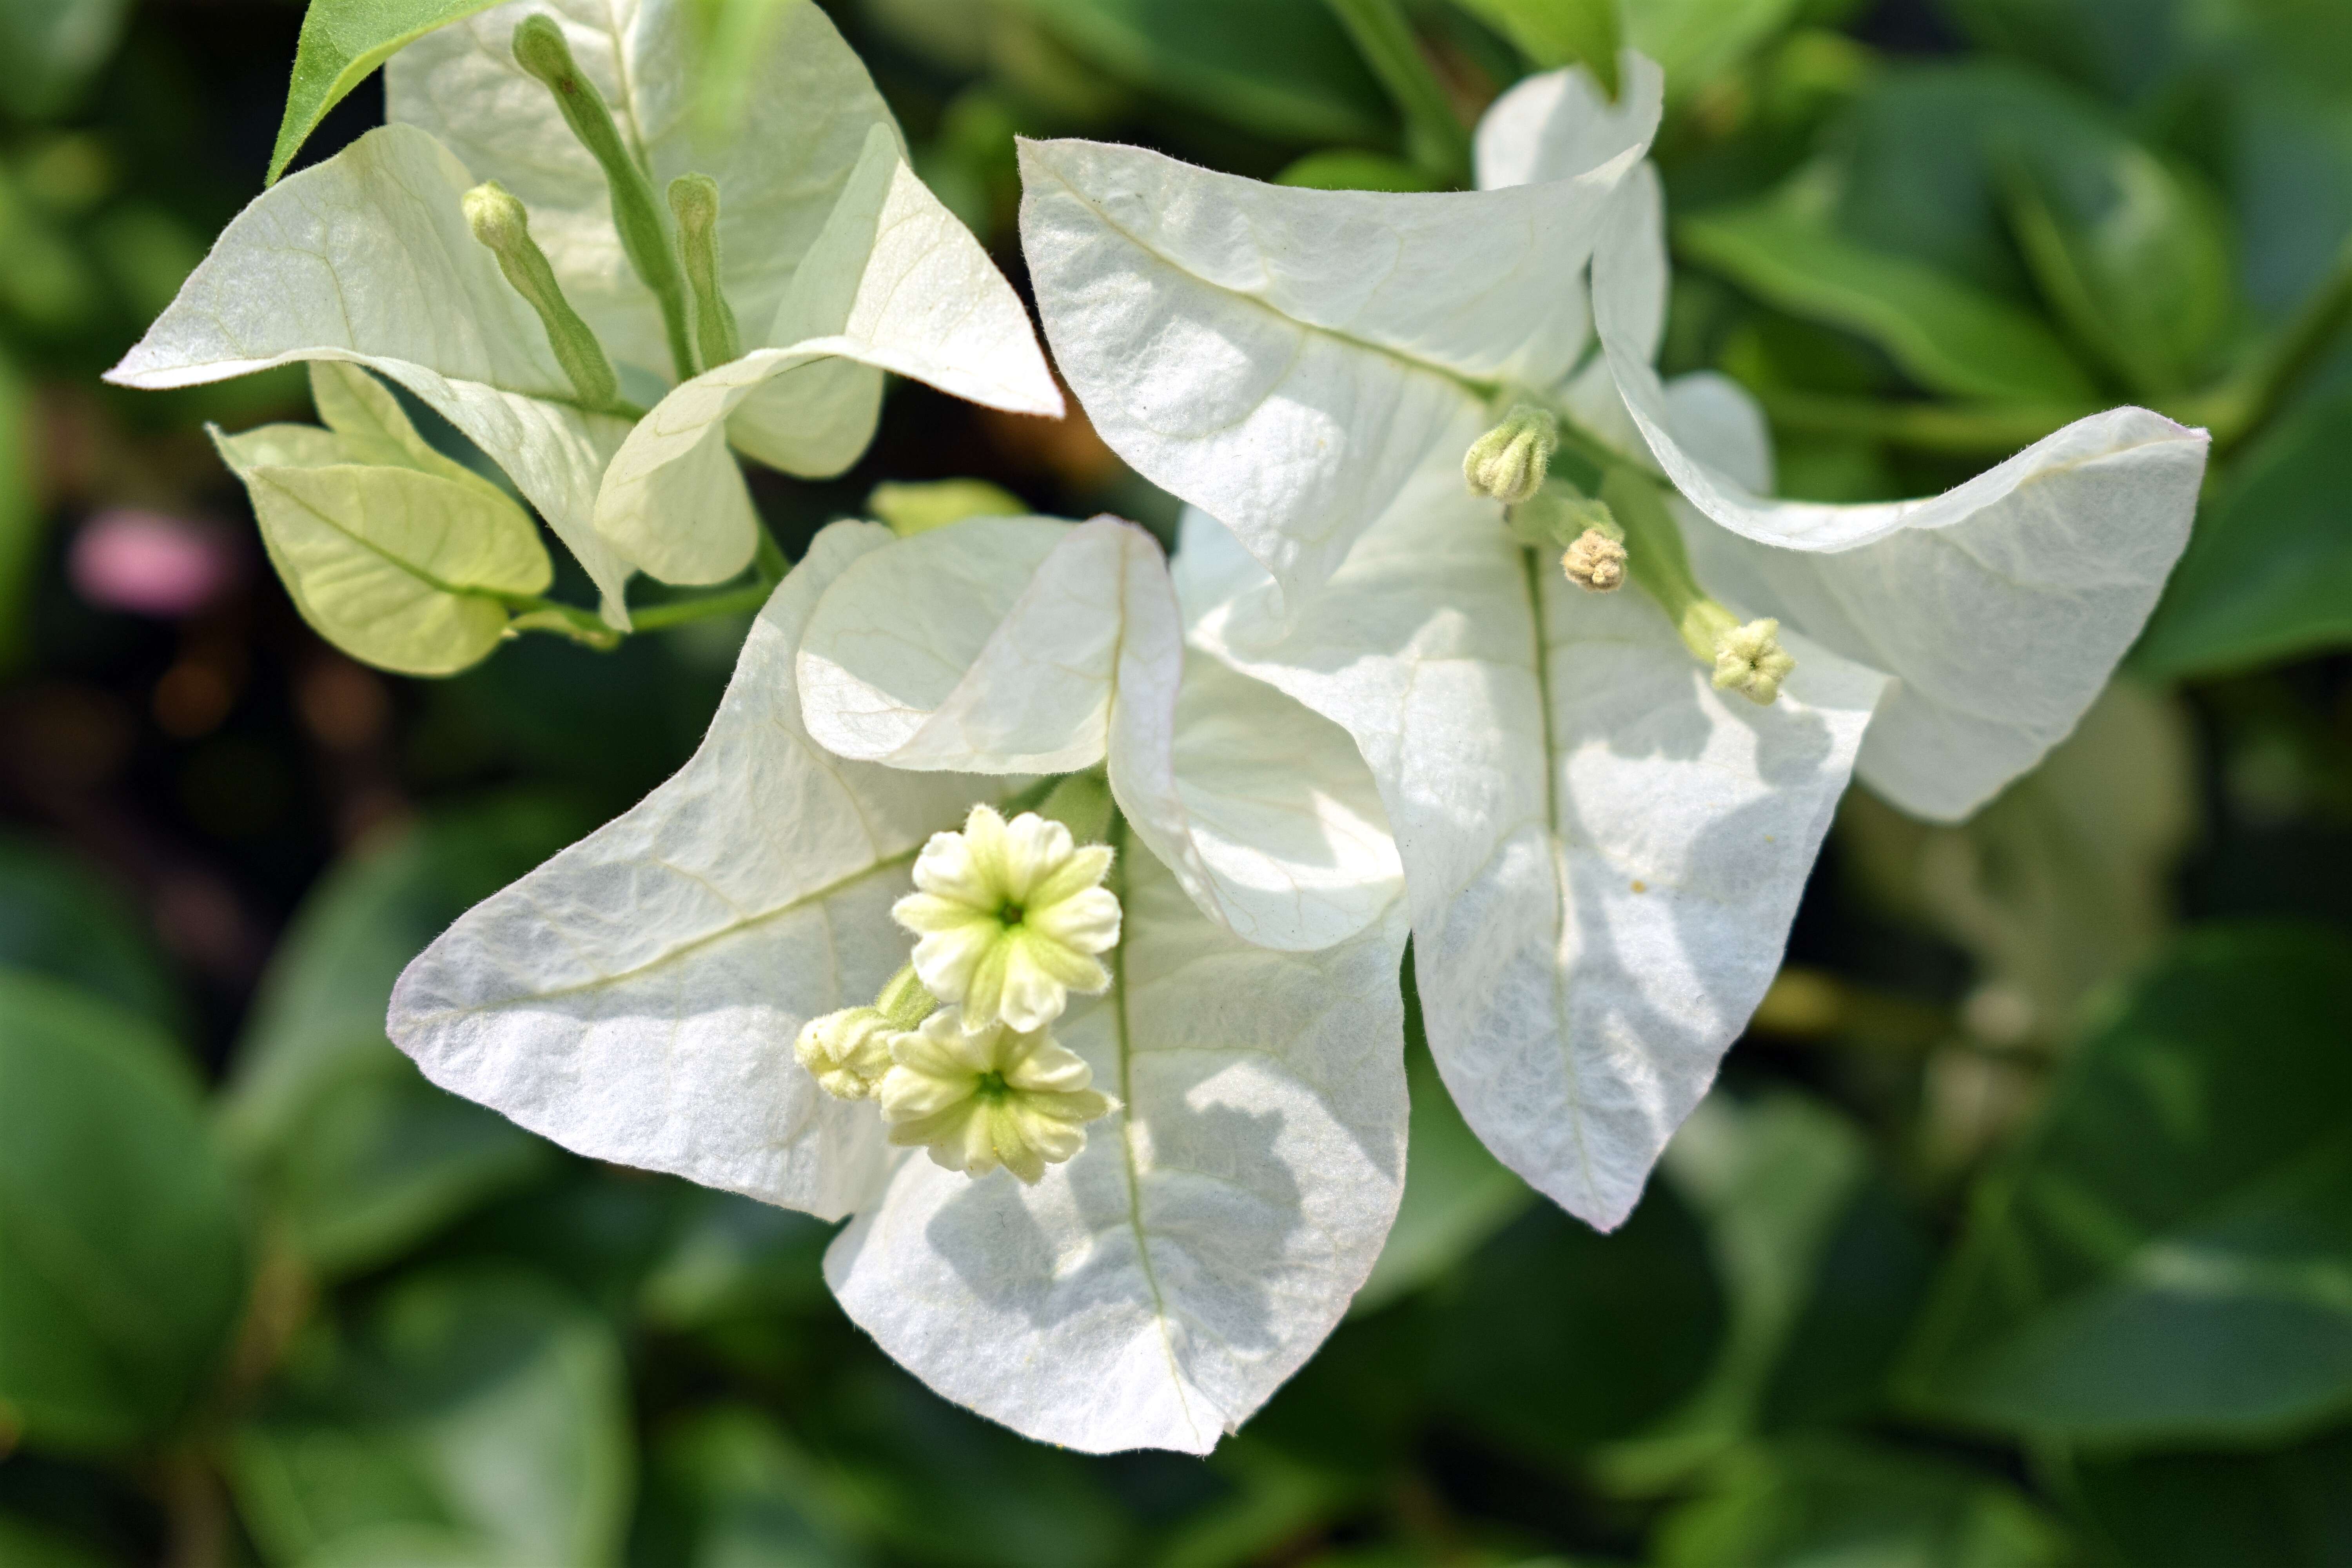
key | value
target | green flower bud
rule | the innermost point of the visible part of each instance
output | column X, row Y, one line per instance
column 499, row 221
column 1746, row 658
column 1510, row 461
column 694, row 202
column 541, row 49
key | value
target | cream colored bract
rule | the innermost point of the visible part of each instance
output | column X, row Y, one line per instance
column 1602, row 851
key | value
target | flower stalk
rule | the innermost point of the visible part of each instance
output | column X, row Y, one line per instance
column 541, row 49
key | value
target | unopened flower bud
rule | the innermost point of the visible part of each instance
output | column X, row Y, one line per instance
column 500, row 221
column 541, row 50
column 1510, row 461
column 1749, row 659
column 848, row 1052
column 694, row 202
column 1595, row 562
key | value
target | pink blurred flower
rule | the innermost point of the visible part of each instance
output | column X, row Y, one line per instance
column 153, row 563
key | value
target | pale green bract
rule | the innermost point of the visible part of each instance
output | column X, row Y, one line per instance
column 1602, row 854
column 392, row 553
column 367, row 258
column 637, row 998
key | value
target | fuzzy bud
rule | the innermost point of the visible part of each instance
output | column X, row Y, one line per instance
column 1749, row 659
column 1595, row 562
column 1508, row 462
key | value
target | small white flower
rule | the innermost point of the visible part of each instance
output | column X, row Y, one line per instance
column 1749, row 659
column 1015, row 1098
column 1011, row 915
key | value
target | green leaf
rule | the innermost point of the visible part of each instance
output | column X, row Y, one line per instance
column 342, row 41
column 730, row 1487
column 2130, row 253
column 26, row 1545
column 477, row 1408
column 2289, row 1508
column 913, row 508
column 1554, row 33
column 20, row 513
column 398, row 567
column 358, row 1152
column 120, row 1244
column 53, row 48
column 1816, row 1502
column 1697, row 40
column 1560, row 1336
column 2268, row 573
column 1457, row 1195
column 60, row 918
column 1346, row 169
column 2164, row 1257
column 1770, row 1181
column 1281, row 68
column 1945, row 334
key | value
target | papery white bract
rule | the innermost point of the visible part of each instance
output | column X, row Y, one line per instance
column 1603, row 852
column 1018, row 644
column 826, row 238
column 637, row 999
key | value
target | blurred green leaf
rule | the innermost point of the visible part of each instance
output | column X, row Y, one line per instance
column 735, row 1257
column 1346, row 169
column 1946, row 334
column 917, row 507
column 1282, row 68
column 1819, row 1502
column 1769, row 1180
column 1558, row 1337
column 2130, row 253
column 1697, row 40
column 1457, row 1195
column 1870, row 1279
column 342, row 43
column 483, row 1407
column 60, row 918
column 21, row 521
column 120, row 1246
column 2063, row 883
column 2291, row 1508
column 2168, row 1255
column 942, row 1485
column 26, row 1545
column 361, row 1155
column 43, row 280
column 1553, row 33
column 2268, row 573
column 732, row 1489
column 53, row 48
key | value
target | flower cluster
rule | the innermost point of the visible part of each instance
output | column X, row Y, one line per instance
column 1012, row 915
column 1390, row 684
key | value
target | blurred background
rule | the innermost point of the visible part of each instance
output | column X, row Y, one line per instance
column 2019, row 1233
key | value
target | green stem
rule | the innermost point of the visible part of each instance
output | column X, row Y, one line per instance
column 1658, row 560
column 1434, row 134
column 677, row 612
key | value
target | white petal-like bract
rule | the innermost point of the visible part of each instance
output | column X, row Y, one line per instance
column 780, row 159
column 1290, row 358
column 366, row 258
column 635, row 998
column 893, row 282
column 1024, row 645
column 1153, row 1291
column 2001, row 606
column 1603, row 853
